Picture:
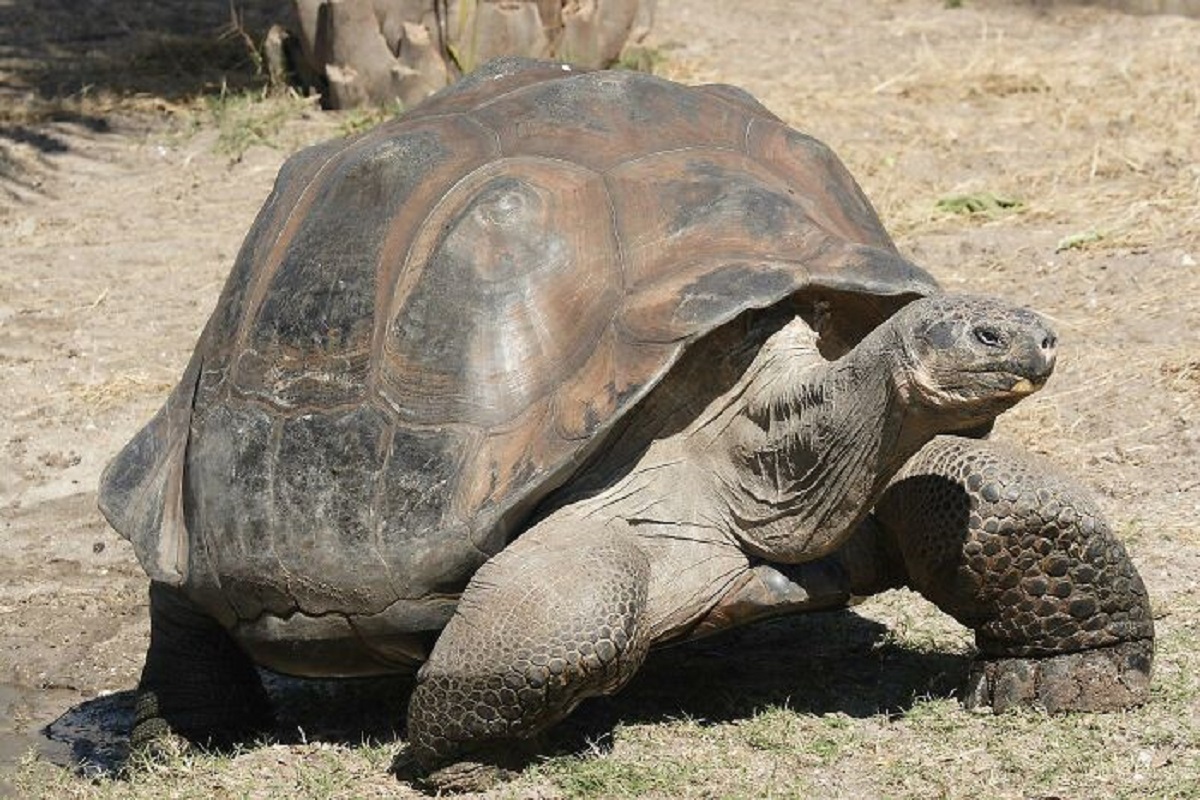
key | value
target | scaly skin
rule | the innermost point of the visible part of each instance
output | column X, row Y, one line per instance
column 1011, row 548
column 197, row 682
column 546, row 624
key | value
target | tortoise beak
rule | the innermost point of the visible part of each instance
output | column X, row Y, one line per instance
column 1025, row 387
column 1037, row 361
column 1044, row 359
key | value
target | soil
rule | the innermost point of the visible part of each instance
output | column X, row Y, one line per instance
column 120, row 214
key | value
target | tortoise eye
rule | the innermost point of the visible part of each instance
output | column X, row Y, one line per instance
column 989, row 337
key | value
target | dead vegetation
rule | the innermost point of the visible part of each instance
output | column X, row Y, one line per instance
column 999, row 93
column 1070, row 137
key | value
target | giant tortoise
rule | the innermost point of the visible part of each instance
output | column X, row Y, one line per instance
column 559, row 366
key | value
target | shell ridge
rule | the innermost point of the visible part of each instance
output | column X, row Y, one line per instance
column 666, row 151
column 286, row 233
column 618, row 239
column 263, row 402
column 387, row 277
column 171, row 545
column 746, row 136
column 614, row 316
column 568, row 74
column 276, row 441
column 432, row 599
column 387, row 441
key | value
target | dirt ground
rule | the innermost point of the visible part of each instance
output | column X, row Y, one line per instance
column 123, row 200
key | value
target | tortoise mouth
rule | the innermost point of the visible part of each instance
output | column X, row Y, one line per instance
column 985, row 389
column 1010, row 387
column 1024, row 386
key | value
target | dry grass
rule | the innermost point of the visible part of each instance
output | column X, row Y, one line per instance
column 1090, row 123
column 117, row 390
column 248, row 118
column 930, row 747
column 1111, row 140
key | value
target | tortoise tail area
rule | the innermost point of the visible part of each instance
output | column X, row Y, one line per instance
column 141, row 489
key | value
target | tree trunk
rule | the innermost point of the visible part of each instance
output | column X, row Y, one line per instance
column 373, row 52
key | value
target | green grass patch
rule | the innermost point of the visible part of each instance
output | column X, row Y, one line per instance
column 640, row 58
column 773, row 729
column 607, row 776
column 244, row 119
column 979, row 203
column 1078, row 241
column 361, row 119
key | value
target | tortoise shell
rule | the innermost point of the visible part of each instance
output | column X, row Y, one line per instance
column 432, row 325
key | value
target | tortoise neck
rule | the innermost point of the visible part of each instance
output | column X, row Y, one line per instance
column 784, row 463
column 802, row 461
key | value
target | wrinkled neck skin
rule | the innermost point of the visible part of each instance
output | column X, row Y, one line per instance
column 802, row 448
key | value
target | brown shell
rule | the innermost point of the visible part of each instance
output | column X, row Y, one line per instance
column 432, row 324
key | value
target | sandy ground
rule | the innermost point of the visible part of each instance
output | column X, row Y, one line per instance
column 117, row 229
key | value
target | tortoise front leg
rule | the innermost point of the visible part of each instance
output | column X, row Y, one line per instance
column 554, row 618
column 1009, row 547
column 197, row 682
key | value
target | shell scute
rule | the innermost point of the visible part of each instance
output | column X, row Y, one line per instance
column 309, row 328
column 327, row 472
column 832, row 197
column 510, row 291
column 419, row 528
column 234, row 445
column 602, row 119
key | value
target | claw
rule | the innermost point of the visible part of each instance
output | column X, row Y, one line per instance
column 1102, row 679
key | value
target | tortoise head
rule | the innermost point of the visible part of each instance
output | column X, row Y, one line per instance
column 969, row 358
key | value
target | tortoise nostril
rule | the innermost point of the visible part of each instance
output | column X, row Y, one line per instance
column 1049, row 342
column 1047, row 359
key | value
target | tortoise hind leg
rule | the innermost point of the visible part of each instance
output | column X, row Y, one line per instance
column 197, row 682
column 554, row 618
column 1008, row 546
